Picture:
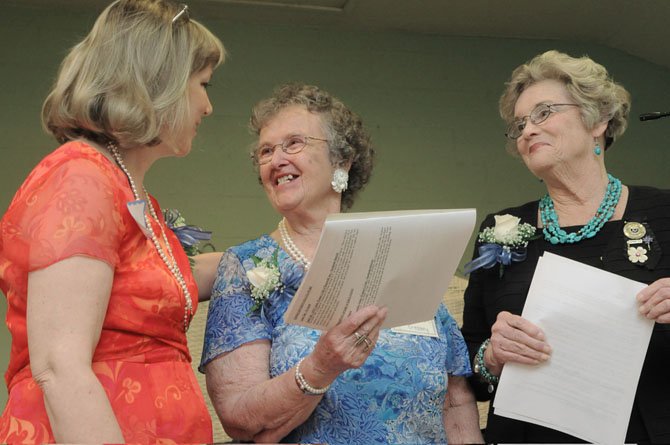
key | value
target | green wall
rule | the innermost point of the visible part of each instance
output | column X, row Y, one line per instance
column 430, row 103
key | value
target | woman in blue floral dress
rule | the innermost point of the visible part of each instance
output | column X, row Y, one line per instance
column 354, row 384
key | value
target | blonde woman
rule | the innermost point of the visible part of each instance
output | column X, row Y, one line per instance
column 99, row 291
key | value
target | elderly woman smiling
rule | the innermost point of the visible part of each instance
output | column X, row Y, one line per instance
column 563, row 113
column 353, row 384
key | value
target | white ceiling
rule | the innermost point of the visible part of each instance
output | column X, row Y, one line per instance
column 637, row 27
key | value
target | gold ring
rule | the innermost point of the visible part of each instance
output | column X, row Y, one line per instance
column 360, row 339
column 368, row 343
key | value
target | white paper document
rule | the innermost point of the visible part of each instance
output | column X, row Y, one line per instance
column 403, row 260
column 599, row 341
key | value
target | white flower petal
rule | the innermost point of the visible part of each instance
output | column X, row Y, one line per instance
column 637, row 254
column 507, row 226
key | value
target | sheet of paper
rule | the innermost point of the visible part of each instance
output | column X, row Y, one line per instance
column 599, row 342
column 403, row 260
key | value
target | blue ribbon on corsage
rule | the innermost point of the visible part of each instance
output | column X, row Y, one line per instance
column 491, row 253
column 189, row 236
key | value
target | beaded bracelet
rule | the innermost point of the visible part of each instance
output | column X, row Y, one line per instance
column 482, row 370
column 305, row 387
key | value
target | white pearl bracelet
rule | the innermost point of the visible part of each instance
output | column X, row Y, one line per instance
column 305, row 387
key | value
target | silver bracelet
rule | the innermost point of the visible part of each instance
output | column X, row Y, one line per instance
column 305, row 387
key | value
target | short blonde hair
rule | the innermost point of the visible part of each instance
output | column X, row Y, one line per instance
column 127, row 80
column 348, row 141
column 588, row 83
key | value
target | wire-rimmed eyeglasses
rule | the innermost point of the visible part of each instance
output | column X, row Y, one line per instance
column 538, row 115
column 291, row 145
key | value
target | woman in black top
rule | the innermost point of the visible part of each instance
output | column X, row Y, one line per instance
column 563, row 113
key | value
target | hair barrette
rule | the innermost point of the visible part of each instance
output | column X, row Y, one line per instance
column 182, row 11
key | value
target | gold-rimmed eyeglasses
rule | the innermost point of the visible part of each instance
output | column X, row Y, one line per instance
column 538, row 115
column 291, row 145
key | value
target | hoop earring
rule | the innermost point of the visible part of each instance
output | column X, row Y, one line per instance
column 340, row 180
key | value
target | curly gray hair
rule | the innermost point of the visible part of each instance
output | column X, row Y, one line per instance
column 348, row 142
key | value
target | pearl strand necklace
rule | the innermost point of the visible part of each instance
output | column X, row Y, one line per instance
column 168, row 258
column 293, row 250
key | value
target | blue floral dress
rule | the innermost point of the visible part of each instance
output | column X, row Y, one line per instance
column 397, row 396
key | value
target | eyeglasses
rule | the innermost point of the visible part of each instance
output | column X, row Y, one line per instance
column 291, row 146
column 539, row 114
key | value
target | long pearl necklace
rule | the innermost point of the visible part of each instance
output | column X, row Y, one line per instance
column 293, row 250
column 552, row 230
column 168, row 258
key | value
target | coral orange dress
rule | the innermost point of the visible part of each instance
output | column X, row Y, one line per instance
column 74, row 203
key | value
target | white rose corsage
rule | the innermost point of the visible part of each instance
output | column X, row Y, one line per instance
column 504, row 244
column 264, row 279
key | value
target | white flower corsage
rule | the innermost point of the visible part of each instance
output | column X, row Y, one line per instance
column 505, row 243
column 264, row 279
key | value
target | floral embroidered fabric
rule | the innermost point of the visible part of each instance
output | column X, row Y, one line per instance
column 74, row 203
column 397, row 396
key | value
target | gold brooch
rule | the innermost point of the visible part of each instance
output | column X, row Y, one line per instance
column 634, row 230
column 636, row 237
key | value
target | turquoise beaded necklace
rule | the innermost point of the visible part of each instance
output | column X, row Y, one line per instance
column 553, row 232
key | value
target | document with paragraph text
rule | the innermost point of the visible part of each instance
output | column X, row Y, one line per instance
column 403, row 260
